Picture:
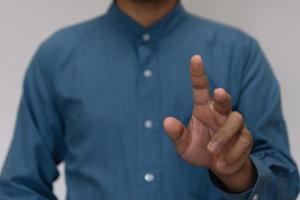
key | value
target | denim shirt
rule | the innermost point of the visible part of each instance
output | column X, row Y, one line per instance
column 96, row 93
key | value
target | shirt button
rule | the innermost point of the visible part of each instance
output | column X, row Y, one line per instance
column 255, row 197
column 146, row 37
column 148, row 124
column 149, row 177
column 147, row 73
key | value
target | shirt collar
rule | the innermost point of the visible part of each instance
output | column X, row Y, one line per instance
column 128, row 25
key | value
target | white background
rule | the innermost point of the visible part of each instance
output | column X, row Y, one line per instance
column 24, row 24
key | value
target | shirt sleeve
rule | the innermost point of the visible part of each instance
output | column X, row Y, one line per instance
column 260, row 103
column 36, row 148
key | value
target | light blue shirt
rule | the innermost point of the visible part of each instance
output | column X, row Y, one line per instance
column 95, row 96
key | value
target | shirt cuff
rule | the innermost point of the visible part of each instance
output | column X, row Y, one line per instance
column 257, row 192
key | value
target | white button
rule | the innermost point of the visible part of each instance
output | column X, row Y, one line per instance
column 148, row 124
column 149, row 177
column 146, row 37
column 255, row 197
column 147, row 73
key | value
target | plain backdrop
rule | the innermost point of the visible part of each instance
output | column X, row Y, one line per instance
column 24, row 24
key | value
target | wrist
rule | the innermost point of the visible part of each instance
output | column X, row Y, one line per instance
column 241, row 180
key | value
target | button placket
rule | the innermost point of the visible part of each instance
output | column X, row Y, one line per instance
column 148, row 111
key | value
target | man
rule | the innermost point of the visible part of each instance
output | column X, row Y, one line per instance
column 114, row 99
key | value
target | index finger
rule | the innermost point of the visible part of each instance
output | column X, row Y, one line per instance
column 200, row 83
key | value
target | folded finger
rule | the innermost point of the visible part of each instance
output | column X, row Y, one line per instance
column 228, row 131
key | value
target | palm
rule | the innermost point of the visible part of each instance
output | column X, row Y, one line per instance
column 201, row 128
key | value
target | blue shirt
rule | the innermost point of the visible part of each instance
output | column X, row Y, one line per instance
column 95, row 96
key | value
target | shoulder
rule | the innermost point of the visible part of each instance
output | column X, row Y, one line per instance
column 230, row 43
column 66, row 39
column 68, row 43
column 64, row 45
column 221, row 34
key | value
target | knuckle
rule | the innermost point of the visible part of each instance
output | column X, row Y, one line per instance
column 246, row 140
column 238, row 116
column 219, row 136
column 222, row 164
column 200, row 82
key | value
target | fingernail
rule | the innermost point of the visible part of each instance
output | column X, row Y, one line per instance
column 214, row 146
column 245, row 141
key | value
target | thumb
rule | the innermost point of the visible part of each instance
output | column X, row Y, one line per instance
column 177, row 132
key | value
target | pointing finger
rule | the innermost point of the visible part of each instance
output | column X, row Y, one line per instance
column 200, row 83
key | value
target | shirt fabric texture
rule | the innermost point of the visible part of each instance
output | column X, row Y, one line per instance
column 95, row 96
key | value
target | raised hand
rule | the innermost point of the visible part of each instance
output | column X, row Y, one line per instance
column 216, row 137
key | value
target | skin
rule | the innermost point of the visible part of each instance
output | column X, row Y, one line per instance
column 216, row 137
column 146, row 12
